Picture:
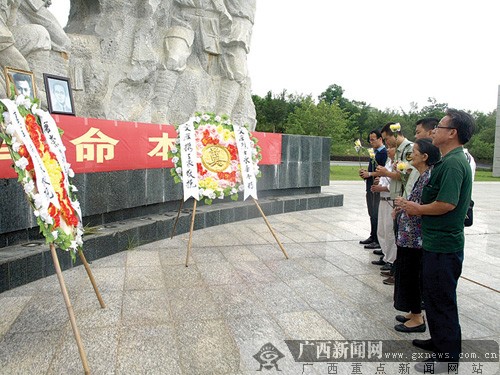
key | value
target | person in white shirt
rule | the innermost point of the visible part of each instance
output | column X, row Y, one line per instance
column 471, row 161
column 385, row 226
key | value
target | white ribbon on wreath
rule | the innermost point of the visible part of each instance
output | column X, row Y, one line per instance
column 56, row 145
column 43, row 183
column 189, row 170
column 247, row 167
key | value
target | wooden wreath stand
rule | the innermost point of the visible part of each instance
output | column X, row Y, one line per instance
column 192, row 226
column 67, row 301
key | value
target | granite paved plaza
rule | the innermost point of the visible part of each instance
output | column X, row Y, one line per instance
column 238, row 294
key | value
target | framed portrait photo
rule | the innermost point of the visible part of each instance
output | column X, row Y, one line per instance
column 21, row 81
column 59, row 95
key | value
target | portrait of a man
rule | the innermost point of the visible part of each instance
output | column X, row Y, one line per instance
column 59, row 95
column 23, row 82
column 60, row 102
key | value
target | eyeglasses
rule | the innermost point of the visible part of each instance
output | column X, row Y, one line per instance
column 443, row 127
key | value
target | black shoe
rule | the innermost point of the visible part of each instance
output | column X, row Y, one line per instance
column 430, row 366
column 402, row 318
column 386, row 267
column 379, row 262
column 378, row 252
column 367, row 241
column 402, row 328
column 389, row 281
column 424, row 344
column 373, row 245
column 386, row 274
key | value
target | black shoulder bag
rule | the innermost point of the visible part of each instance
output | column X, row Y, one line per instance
column 470, row 215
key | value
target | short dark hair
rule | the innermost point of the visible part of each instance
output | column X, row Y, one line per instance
column 387, row 128
column 19, row 77
column 425, row 146
column 463, row 122
column 428, row 123
column 376, row 132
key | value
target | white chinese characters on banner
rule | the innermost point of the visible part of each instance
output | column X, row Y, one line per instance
column 247, row 167
column 188, row 150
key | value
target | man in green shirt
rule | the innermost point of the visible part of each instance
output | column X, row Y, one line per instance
column 445, row 200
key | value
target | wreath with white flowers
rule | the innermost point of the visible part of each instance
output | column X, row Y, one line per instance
column 59, row 218
column 216, row 131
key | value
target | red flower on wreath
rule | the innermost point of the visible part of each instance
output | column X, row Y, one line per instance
column 233, row 151
column 229, row 176
column 201, row 171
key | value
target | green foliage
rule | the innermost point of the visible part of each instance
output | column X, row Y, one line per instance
column 481, row 150
column 273, row 110
column 334, row 93
column 323, row 119
column 344, row 120
column 482, row 144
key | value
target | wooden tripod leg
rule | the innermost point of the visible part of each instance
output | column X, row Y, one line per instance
column 176, row 220
column 191, row 232
column 270, row 228
column 71, row 314
column 91, row 277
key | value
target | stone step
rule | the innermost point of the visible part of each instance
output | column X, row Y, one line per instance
column 24, row 263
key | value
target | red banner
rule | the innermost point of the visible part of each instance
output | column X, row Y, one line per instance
column 94, row 145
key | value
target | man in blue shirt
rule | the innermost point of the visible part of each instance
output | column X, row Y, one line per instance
column 373, row 198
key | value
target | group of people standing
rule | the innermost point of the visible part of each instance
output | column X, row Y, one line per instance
column 417, row 195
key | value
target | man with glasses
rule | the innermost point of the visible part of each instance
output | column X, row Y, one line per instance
column 424, row 128
column 60, row 102
column 373, row 198
column 445, row 200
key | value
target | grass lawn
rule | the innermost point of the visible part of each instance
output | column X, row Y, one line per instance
column 344, row 173
column 350, row 173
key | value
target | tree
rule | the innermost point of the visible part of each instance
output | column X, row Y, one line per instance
column 323, row 119
column 273, row 110
column 482, row 144
column 333, row 93
column 344, row 120
column 357, row 111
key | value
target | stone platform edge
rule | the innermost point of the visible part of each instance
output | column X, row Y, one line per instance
column 24, row 263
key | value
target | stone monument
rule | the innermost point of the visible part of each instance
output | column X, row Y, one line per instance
column 31, row 39
column 496, row 154
column 154, row 61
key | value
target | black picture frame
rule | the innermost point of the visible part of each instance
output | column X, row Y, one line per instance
column 14, row 78
column 59, row 94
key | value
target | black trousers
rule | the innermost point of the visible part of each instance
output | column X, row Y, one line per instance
column 407, row 269
column 372, row 202
column 440, row 273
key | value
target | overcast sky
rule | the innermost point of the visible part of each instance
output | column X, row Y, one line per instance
column 387, row 53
